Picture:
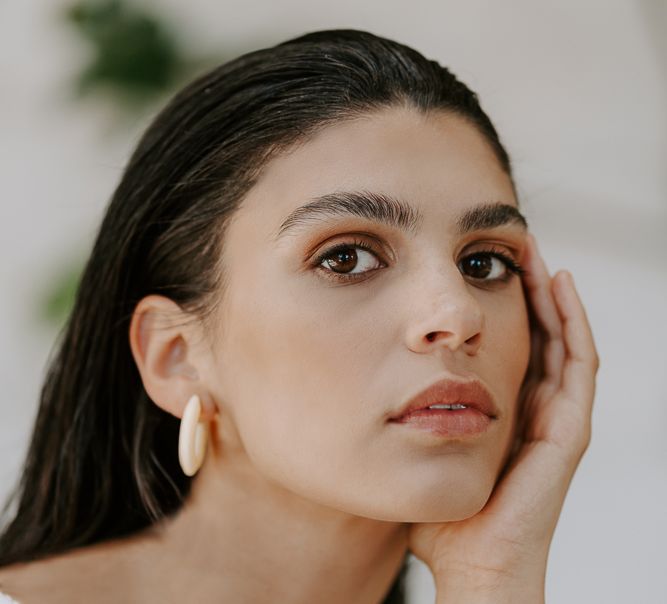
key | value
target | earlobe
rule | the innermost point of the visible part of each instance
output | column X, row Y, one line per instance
column 160, row 337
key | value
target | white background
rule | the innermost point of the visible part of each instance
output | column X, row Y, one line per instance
column 578, row 92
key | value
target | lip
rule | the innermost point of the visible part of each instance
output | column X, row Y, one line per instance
column 447, row 391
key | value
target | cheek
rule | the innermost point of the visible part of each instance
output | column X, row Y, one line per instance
column 506, row 355
column 507, row 348
column 295, row 373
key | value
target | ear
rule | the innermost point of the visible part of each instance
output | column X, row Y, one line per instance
column 163, row 339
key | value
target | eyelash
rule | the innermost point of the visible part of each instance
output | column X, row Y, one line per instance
column 513, row 267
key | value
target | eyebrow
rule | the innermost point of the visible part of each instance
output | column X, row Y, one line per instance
column 388, row 210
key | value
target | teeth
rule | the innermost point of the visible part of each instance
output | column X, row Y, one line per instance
column 455, row 406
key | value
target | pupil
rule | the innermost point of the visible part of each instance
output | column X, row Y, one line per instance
column 343, row 258
column 480, row 266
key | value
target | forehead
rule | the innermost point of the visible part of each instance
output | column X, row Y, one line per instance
column 435, row 161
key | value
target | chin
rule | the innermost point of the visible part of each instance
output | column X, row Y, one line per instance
column 450, row 510
column 459, row 493
column 439, row 505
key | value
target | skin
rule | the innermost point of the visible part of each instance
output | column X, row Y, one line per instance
column 306, row 492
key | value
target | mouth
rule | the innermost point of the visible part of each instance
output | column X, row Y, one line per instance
column 449, row 397
column 444, row 423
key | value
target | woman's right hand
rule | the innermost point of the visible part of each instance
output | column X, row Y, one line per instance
column 500, row 553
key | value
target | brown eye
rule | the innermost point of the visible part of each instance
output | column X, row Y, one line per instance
column 489, row 266
column 340, row 261
column 345, row 259
column 479, row 266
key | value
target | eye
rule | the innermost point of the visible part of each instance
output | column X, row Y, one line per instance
column 342, row 263
column 490, row 265
column 338, row 261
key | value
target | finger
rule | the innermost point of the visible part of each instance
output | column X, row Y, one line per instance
column 581, row 357
column 538, row 285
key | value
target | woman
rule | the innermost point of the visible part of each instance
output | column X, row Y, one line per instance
column 308, row 242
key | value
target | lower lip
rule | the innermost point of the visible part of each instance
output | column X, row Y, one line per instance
column 447, row 422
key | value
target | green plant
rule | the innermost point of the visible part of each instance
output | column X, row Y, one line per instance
column 135, row 55
column 58, row 298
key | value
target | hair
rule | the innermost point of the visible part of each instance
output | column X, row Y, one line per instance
column 102, row 459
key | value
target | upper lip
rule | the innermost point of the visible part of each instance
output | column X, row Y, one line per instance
column 447, row 391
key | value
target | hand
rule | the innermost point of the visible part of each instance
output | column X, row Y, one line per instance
column 500, row 553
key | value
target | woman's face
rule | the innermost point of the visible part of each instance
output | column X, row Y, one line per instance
column 313, row 356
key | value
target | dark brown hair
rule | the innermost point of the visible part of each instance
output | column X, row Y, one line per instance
column 102, row 461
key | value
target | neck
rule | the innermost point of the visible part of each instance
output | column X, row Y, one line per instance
column 240, row 537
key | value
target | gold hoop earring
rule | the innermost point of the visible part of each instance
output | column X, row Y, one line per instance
column 192, row 438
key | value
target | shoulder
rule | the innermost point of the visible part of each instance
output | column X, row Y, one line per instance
column 80, row 575
column 39, row 581
column 14, row 584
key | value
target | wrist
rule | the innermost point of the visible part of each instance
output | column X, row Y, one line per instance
column 500, row 595
column 490, row 587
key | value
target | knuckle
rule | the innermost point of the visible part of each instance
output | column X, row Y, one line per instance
column 593, row 361
column 596, row 361
column 583, row 449
column 585, row 438
column 578, row 449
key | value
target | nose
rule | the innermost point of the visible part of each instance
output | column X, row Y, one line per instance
column 446, row 315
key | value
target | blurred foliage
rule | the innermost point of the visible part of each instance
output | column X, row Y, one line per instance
column 137, row 59
column 135, row 55
column 60, row 294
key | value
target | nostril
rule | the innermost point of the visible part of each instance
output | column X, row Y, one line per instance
column 471, row 341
